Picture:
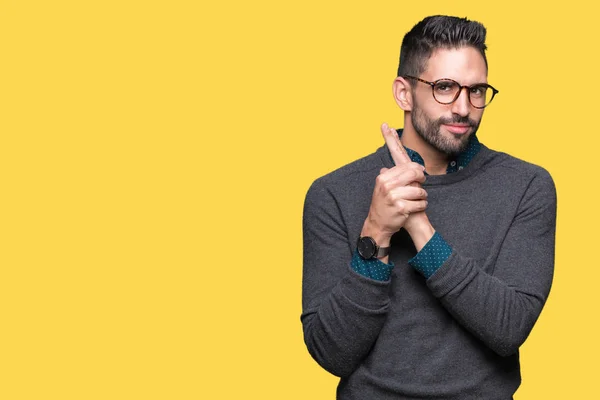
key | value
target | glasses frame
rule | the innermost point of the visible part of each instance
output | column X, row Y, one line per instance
column 461, row 87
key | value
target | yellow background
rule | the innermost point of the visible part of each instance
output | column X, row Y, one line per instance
column 154, row 157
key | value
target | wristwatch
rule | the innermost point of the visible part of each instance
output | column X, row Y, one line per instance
column 368, row 249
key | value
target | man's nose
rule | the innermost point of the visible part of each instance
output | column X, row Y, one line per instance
column 461, row 105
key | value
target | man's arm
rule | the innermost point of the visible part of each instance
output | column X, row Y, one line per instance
column 500, row 308
column 343, row 311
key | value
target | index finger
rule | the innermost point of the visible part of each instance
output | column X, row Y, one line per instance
column 394, row 144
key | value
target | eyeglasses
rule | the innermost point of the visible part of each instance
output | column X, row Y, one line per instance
column 446, row 91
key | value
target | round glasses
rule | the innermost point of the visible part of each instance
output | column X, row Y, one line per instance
column 446, row 91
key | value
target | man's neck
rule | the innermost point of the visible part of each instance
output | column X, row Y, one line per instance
column 436, row 162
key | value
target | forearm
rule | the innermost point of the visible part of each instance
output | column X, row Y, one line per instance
column 499, row 303
column 420, row 230
column 498, row 314
column 341, row 330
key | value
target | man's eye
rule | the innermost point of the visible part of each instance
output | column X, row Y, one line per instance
column 444, row 87
column 478, row 90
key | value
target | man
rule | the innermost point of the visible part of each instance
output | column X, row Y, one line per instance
column 427, row 263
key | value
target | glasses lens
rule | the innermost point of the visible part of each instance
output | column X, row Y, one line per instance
column 445, row 91
column 480, row 95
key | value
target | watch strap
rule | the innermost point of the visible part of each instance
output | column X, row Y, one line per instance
column 382, row 252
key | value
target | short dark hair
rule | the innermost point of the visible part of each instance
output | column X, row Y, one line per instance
column 438, row 32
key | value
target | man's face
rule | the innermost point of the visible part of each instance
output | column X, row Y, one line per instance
column 447, row 128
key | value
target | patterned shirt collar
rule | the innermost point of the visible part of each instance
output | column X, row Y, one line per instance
column 455, row 164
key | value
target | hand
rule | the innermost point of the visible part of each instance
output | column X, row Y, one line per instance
column 397, row 194
column 417, row 223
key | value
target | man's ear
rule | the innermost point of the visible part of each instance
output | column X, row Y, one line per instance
column 402, row 93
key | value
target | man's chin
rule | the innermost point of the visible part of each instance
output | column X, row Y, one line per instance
column 445, row 141
column 455, row 144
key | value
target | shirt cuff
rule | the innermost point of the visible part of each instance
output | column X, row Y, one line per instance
column 373, row 269
column 431, row 257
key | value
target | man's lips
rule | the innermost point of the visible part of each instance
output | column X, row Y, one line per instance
column 458, row 129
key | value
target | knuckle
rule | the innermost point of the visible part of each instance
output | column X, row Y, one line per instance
column 389, row 196
column 400, row 207
column 386, row 186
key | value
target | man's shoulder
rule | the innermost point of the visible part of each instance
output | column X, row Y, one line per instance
column 518, row 166
column 353, row 170
column 514, row 168
column 354, row 175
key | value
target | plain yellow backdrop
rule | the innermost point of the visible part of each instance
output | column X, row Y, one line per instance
column 154, row 157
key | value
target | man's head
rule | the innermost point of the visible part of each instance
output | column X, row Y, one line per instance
column 442, row 47
column 438, row 32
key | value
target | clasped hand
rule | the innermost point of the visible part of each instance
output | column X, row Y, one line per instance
column 398, row 195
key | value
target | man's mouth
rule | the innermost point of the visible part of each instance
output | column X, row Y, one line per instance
column 457, row 129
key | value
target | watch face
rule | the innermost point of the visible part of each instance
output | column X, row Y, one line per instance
column 366, row 247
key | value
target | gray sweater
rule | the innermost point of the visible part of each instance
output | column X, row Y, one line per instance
column 457, row 334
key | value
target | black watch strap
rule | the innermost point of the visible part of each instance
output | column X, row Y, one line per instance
column 382, row 252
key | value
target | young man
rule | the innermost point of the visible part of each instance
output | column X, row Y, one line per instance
column 427, row 263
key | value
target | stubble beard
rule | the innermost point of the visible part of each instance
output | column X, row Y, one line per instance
column 430, row 131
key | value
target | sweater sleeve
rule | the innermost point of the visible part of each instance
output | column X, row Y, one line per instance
column 343, row 311
column 501, row 307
